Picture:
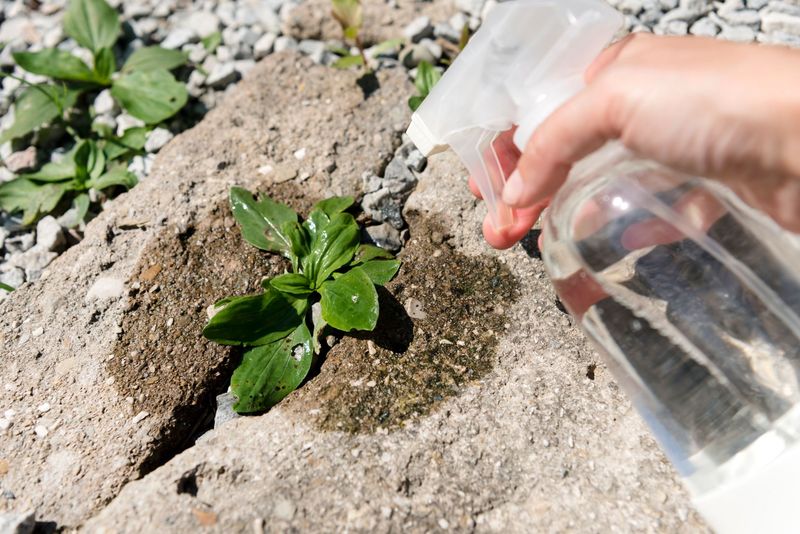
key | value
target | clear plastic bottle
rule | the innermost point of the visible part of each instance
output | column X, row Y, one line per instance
column 693, row 297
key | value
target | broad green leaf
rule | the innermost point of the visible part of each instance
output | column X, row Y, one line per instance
column 90, row 161
column 366, row 253
column 346, row 62
column 55, row 63
column 211, row 41
column 381, row 271
column 316, row 221
column 117, row 176
column 299, row 240
column 349, row 15
column 93, row 23
column 104, row 65
column 292, row 284
column 151, row 96
column 81, row 205
column 333, row 247
column 414, row 102
column 261, row 220
column 256, row 320
column 132, row 140
column 30, row 198
column 154, row 58
column 36, row 107
column 270, row 372
column 350, row 302
column 54, row 172
column 427, row 77
column 6, row 287
column 332, row 206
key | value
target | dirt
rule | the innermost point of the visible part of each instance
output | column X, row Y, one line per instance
column 408, row 366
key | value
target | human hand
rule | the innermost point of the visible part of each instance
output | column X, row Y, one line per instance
column 702, row 106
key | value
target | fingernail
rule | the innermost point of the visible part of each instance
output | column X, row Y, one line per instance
column 512, row 191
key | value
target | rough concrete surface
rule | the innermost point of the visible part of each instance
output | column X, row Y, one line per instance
column 104, row 372
column 496, row 421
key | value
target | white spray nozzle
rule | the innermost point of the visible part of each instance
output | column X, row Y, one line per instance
column 527, row 59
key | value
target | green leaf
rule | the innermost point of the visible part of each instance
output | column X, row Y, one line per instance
column 36, row 107
column 270, row 372
column 90, row 162
column 154, row 58
column 30, row 198
column 6, row 287
column 415, row 102
column 117, row 176
column 81, row 205
column 211, row 41
column 366, row 253
column 292, row 284
column 427, row 77
column 261, row 220
column 332, row 206
column 55, row 63
column 256, row 320
column 350, row 302
column 151, row 96
column 333, row 247
column 299, row 239
column 54, row 172
column 387, row 47
column 381, row 271
column 349, row 15
column 104, row 65
column 132, row 140
column 348, row 61
column 317, row 220
column 93, row 23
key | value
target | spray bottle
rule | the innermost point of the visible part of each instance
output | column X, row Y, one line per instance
column 698, row 317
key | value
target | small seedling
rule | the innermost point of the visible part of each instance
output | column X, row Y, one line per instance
column 427, row 77
column 6, row 287
column 349, row 15
column 144, row 87
column 331, row 284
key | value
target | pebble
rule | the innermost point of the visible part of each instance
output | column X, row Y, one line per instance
column 222, row 75
column 125, row 122
column 106, row 288
column 704, row 27
column 264, row 45
column 414, row 54
column 44, row 407
column 157, row 139
column 104, row 103
column 17, row 523
column 179, row 37
column 49, row 234
column 22, row 161
column 284, row 509
column 418, row 29
column 742, row 34
column 202, row 23
column 776, row 22
column 385, row 236
column 285, row 43
column 41, row 431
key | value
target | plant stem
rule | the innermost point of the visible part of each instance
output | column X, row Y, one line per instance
column 360, row 47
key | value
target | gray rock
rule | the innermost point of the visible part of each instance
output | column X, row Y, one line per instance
column 433, row 47
column 629, row 7
column 704, row 27
column 757, row 4
column 49, row 235
column 32, row 261
column 743, row 17
column 668, row 5
column 316, row 50
column 776, row 6
column 371, row 183
column 224, row 54
column 269, row 21
column 17, row 523
column 418, row 29
column 157, row 139
column 243, row 66
column 383, row 206
column 194, row 85
column 222, row 75
column 414, row 54
column 741, row 34
column 21, row 242
column 385, row 236
column 104, row 103
column 225, row 410
column 201, row 23
column 416, row 161
column 125, row 122
column 676, row 27
column 178, row 37
column 398, row 179
column 197, row 52
column 777, row 38
column 774, row 22
column 22, row 161
column 264, row 45
column 285, row 43
column 53, row 36
column 443, row 30
column 104, row 122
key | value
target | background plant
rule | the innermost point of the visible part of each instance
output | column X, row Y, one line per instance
column 331, row 284
column 427, row 77
column 143, row 87
column 349, row 14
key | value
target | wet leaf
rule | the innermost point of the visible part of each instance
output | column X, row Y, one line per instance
column 92, row 23
column 333, row 247
column 292, row 284
column 350, row 302
column 366, row 253
column 332, row 206
column 261, row 220
column 427, row 77
column 152, row 96
column 154, row 58
column 381, row 271
column 270, row 372
column 55, row 63
column 255, row 320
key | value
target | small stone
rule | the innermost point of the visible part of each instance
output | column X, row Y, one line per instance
column 740, row 34
column 243, row 66
column 677, row 27
column 197, row 52
column 44, row 407
column 157, row 139
column 14, row 277
column 444, row 30
column 444, row 524
column 744, row 17
column 385, row 236
column 433, row 47
column 106, row 288
column 225, row 410
column 284, row 509
column 416, row 161
column 264, row 45
column 125, row 122
column 314, row 49
column 704, row 27
column 414, row 309
column 300, row 154
column 285, row 43
column 49, row 234
column 202, row 23
column 104, row 123
column 415, row 54
column 383, row 206
column 17, row 523
column 33, row 261
column 222, row 75
column 41, row 431
column 5, row 424
column 104, row 103
column 418, row 29
column 178, row 37
column 22, row 161
column 774, row 22
column 757, row 4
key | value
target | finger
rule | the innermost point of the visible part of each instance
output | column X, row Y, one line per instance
column 573, row 131
column 474, row 188
column 504, row 238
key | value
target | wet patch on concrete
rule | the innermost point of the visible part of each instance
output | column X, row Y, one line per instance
column 441, row 320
